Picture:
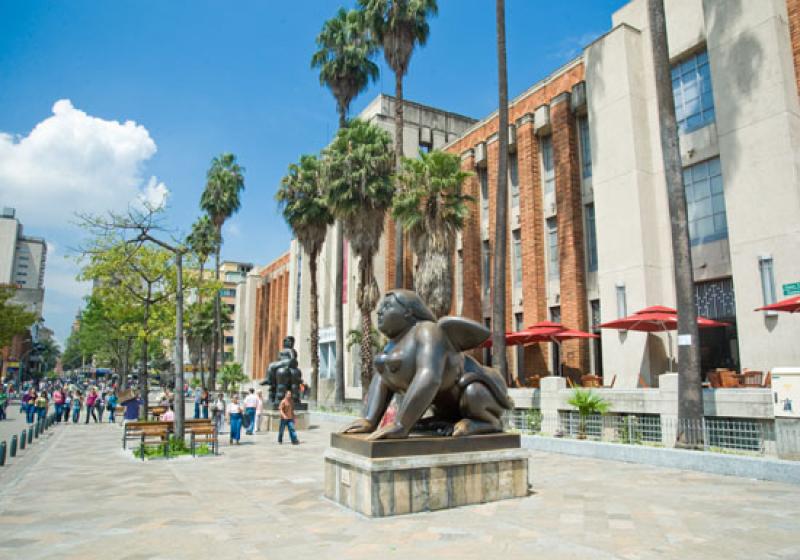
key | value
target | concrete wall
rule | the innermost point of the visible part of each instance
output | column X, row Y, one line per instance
column 8, row 248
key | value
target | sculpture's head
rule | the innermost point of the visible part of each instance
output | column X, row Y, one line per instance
column 399, row 310
column 288, row 342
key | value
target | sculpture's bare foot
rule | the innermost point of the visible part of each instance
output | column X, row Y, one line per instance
column 360, row 426
column 391, row 431
column 467, row 427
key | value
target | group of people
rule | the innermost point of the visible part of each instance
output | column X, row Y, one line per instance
column 68, row 403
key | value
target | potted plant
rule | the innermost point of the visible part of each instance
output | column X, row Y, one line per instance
column 587, row 403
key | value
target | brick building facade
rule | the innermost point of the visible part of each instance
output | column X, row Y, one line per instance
column 271, row 313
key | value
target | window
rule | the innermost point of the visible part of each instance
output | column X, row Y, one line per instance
column 487, row 352
column 425, row 147
column 597, row 343
column 552, row 249
column 586, row 147
column 622, row 304
column 517, row 248
column 228, row 340
column 767, row 279
column 548, row 169
column 691, row 88
column 518, row 326
column 299, row 286
column 227, row 292
column 513, row 179
column 555, row 316
column 483, row 177
column 327, row 360
column 705, row 202
column 460, row 282
column 591, row 238
column 487, row 266
column 230, row 307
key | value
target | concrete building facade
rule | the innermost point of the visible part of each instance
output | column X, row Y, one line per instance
column 22, row 262
column 233, row 275
column 267, row 299
column 589, row 226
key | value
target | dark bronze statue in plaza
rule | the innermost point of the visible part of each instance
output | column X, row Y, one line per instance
column 284, row 375
column 424, row 361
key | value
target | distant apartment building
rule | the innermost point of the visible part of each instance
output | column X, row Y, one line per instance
column 589, row 233
column 22, row 265
column 233, row 275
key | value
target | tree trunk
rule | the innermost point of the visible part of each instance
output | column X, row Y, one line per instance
column 366, row 352
column 339, row 299
column 339, row 314
column 501, row 208
column 398, row 151
column 314, row 341
column 179, row 395
column 200, row 345
column 212, row 380
column 690, row 392
column 143, row 381
column 367, row 299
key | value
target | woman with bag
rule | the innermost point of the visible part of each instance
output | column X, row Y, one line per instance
column 111, row 404
column 235, row 417
column 219, row 413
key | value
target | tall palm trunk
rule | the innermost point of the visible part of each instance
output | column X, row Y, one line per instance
column 501, row 209
column 339, row 301
column 398, row 150
column 314, row 341
column 215, row 340
column 367, row 299
column 200, row 345
column 690, row 393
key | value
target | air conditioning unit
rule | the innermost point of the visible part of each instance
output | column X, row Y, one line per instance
column 480, row 155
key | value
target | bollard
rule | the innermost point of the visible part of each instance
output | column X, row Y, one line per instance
column 2, row 454
column 36, row 429
column 23, row 440
column 30, row 436
column 13, row 451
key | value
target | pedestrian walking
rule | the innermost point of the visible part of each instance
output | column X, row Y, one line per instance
column 204, row 398
column 77, row 404
column 67, row 409
column 111, row 405
column 286, row 409
column 41, row 405
column 250, row 406
column 100, row 405
column 197, row 394
column 259, row 410
column 235, row 417
column 219, row 413
column 91, row 398
column 58, row 402
column 29, row 405
column 3, row 402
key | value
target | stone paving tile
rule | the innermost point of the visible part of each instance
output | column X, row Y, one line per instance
column 78, row 495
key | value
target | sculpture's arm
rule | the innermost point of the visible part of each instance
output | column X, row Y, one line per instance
column 378, row 399
column 430, row 349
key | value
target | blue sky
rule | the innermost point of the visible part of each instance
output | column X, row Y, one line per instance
column 198, row 78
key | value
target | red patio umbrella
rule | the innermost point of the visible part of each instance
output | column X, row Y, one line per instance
column 790, row 305
column 548, row 333
column 522, row 337
column 657, row 318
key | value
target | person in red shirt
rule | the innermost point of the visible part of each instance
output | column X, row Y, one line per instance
column 286, row 409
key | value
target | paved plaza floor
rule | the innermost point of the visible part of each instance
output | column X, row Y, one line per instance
column 76, row 494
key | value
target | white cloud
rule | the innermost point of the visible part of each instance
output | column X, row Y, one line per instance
column 74, row 162
column 155, row 194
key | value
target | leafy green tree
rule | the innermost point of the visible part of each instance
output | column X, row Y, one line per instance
column 221, row 199
column 343, row 56
column 399, row 26
column 304, row 208
column 14, row 318
column 432, row 208
column 587, row 403
column 360, row 190
column 232, row 376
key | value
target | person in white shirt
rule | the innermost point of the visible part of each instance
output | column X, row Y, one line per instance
column 219, row 412
column 235, row 414
column 259, row 410
column 250, row 406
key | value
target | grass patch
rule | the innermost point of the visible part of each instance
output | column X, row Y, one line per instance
column 177, row 448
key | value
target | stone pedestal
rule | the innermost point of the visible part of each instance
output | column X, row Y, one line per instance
column 270, row 421
column 393, row 477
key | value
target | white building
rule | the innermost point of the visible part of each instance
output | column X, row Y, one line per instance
column 22, row 261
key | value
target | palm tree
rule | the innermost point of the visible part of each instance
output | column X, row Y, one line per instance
column 304, row 209
column 345, row 68
column 399, row 25
column 202, row 241
column 501, row 207
column 690, row 391
column 221, row 200
column 359, row 192
column 431, row 208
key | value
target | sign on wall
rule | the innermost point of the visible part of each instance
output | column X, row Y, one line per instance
column 791, row 289
column 786, row 392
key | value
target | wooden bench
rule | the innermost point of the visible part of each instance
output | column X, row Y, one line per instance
column 203, row 433
column 133, row 430
column 155, row 434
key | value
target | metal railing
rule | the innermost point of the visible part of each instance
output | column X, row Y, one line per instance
column 725, row 435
